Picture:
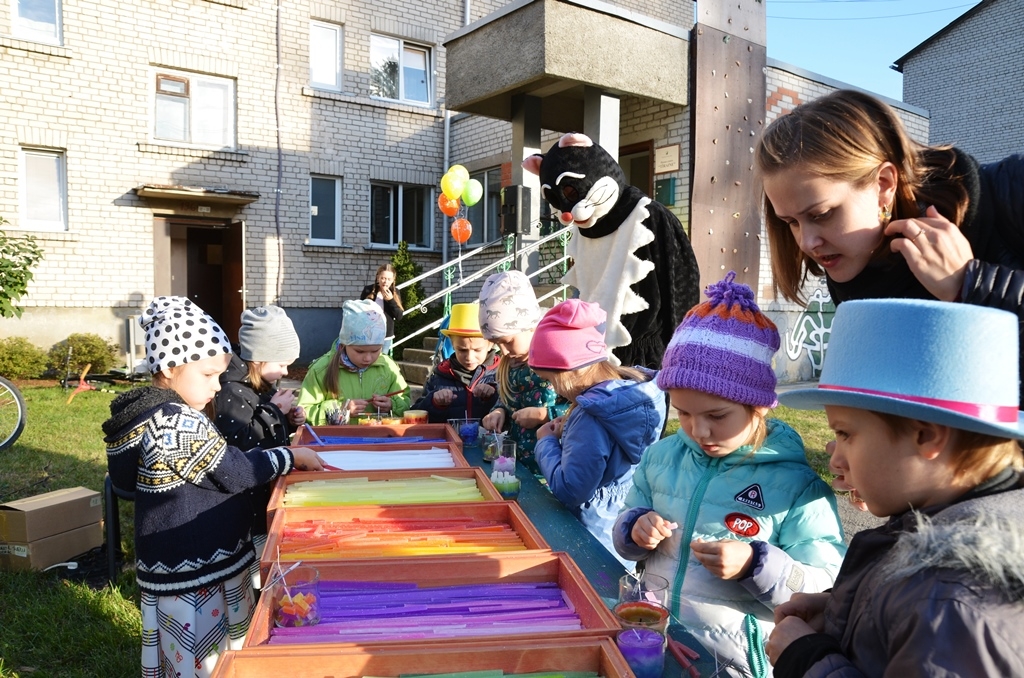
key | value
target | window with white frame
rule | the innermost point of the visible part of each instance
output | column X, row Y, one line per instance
column 399, row 212
column 36, row 20
column 399, row 70
column 42, row 186
column 324, row 210
column 485, row 214
column 326, row 42
column 194, row 109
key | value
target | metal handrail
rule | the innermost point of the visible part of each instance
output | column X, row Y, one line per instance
column 466, row 280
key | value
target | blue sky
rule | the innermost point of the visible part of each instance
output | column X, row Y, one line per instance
column 855, row 41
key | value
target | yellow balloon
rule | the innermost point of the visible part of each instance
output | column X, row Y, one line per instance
column 452, row 186
column 459, row 171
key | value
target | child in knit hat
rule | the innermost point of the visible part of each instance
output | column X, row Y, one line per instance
column 250, row 411
column 509, row 312
column 728, row 509
column 192, row 510
column 463, row 385
column 354, row 374
column 588, row 455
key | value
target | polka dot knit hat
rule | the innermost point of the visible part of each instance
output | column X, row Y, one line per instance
column 724, row 347
column 179, row 332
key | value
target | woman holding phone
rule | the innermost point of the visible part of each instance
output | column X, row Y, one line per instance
column 383, row 293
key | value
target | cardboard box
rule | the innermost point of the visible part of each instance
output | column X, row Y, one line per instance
column 44, row 515
column 511, row 656
column 529, row 566
column 41, row 553
column 506, row 512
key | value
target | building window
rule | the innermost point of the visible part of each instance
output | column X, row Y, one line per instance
column 43, row 191
column 398, row 213
column 399, row 70
column 484, row 215
column 193, row 109
column 324, row 210
column 325, row 50
column 36, row 20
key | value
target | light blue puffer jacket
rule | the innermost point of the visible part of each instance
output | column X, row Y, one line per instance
column 770, row 498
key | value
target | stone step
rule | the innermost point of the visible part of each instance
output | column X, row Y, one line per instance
column 414, row 373
column 418, row 355
column 430, row 343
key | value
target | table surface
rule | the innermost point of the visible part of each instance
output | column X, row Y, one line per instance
column 564, row 532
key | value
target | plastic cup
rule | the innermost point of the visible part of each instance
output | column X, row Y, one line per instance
column 495, row 447
column 295, row 598
column 468, row 430
column 650, row 587
column 644, row 651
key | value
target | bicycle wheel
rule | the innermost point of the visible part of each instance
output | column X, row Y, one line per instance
column 12, row 413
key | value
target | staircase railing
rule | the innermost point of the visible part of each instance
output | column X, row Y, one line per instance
column 553, row 256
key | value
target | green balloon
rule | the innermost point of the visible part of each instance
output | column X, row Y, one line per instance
column 472, row 193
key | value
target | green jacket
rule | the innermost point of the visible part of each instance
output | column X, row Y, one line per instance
column 383, row 376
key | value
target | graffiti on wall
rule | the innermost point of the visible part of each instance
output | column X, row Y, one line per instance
column 811, row 331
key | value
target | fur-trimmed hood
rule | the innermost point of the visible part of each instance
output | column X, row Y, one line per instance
column 984, row 537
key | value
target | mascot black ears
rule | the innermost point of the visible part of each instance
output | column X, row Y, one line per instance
column 630, row 254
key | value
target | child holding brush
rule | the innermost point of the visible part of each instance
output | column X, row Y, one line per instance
column 249, row 411
column 354, row 373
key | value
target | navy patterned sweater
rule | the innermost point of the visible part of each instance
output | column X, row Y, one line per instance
column 192, row 512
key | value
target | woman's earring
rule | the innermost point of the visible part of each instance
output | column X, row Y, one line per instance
column 884, row 214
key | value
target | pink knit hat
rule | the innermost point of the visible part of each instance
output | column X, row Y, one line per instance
column 569, row 336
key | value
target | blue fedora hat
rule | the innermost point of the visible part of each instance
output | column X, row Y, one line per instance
column 945, row 363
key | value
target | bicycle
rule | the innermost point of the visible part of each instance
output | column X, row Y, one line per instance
column 12, row 414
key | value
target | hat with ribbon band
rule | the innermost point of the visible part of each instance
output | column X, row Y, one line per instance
column 945, row 363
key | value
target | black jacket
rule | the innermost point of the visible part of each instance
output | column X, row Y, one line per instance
column 994, row 226
column 248, row 420
column 465, row 405
column 392, row 311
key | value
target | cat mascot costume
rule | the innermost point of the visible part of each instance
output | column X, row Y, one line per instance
column 630, row 253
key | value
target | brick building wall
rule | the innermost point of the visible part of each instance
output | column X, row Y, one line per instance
column 968, row 78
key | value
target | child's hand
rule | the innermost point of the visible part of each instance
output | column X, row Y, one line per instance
column 381, row 402
column 552, row 428
column 443, row 397
column 784, row 633
column 494, row 421
column 530, row 417
column 297, row 417
column 726, row 558
column 807, row 606
column 306, row 459
column 483, row 390
column 357, row 406
column 650, row 530
column 284, row 400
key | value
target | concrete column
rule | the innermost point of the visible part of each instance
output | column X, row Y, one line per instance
column 526, row 142
column 601, row 119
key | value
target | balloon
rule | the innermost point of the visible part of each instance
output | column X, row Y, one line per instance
column 461, row 230
column 472, row 193
column 459, row 171
column 448, row 207
column 452, row 185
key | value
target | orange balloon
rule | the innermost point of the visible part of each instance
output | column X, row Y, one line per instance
column 461, row 230
column 447, row 206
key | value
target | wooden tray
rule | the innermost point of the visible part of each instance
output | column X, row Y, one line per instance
column 512, row 656
column 483, row 483
column 449, row 434
column 533, row 566
column 455, row 450
column 506, row 512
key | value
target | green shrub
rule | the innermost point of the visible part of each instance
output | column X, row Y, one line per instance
column 85, row 349
column 407, row 269
column 21, row 359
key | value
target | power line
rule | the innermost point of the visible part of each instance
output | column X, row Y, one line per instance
column 866, row 18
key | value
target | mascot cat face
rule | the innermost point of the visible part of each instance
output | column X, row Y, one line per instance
column 579, row 179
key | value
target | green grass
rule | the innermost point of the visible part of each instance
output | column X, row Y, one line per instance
column 48, row 626
column 54, row 628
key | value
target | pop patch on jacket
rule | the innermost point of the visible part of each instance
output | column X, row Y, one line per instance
column 742, row 524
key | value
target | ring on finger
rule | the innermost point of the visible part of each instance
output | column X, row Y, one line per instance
column 919, row 234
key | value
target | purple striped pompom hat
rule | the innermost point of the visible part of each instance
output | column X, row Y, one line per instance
column 724, row 347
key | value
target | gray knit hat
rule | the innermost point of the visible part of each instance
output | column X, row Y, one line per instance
column 179, row 332
column 267, row 336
